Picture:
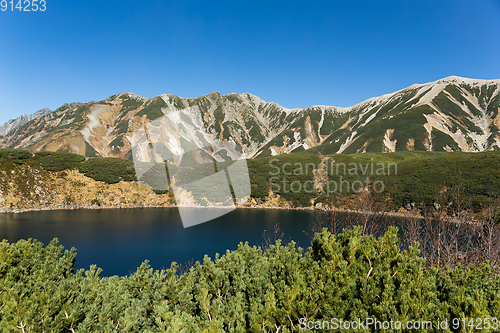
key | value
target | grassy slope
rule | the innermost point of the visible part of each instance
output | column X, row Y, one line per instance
column 424, row 179
column 421, row 176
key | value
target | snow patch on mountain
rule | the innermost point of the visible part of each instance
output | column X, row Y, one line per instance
column 244, row 125
column 347, row 143
column 389, row 143
column 442, row 123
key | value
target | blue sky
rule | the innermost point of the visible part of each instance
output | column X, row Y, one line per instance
column 295, row 53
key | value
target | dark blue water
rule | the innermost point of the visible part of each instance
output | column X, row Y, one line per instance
column 119, row 240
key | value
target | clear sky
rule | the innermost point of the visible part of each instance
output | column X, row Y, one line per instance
column 295, row 53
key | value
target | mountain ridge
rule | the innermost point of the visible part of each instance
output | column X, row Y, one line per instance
column 15, row 123
column 449, row 114
column 348, row 108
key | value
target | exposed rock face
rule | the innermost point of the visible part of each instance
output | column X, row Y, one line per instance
column 452, row 114
column 26, row 188
column 14, row 124
column 32, row 188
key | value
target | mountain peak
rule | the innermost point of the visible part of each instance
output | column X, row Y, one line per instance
column 13, row 124
column 459, row 79
column 124, row 95
column 450, row 114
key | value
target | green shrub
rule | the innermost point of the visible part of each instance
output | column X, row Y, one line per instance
column 58, row 161
column 14, row 155
column 108, row 169
column 422, row 178
column 351, row 276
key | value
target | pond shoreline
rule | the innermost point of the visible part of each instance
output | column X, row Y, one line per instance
column 312, row 209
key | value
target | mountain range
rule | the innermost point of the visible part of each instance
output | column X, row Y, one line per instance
column 14, row 124
column 451, row 114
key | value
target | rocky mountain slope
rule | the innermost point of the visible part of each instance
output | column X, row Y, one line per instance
column 452, row 114
column 24, row 187
column 14, row 124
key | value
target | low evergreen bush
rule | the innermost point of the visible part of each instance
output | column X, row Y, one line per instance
column 351, row 277
column 108, row 169
column 58, row 161
column 14, row 155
